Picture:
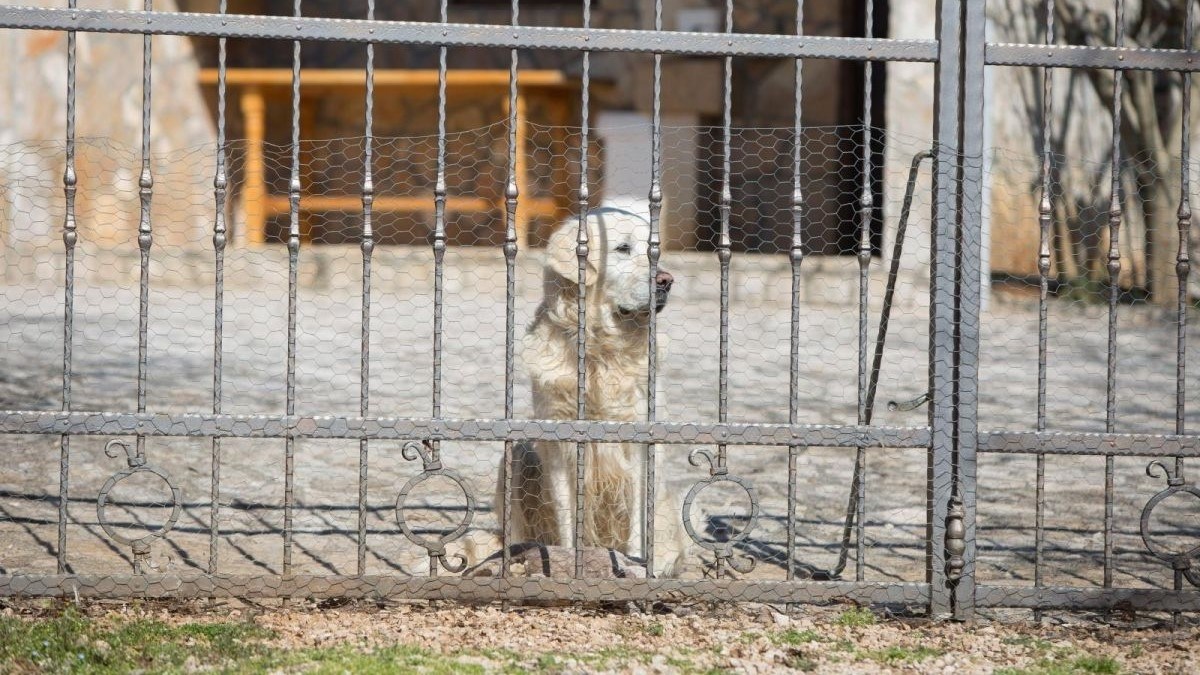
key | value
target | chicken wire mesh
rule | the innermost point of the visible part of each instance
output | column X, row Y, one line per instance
column 250, row 521
column 252, row 514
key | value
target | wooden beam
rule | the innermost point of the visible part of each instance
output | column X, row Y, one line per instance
column 390, row 78
column 254, row 192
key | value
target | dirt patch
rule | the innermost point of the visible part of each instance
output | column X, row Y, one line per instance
column 745, row 638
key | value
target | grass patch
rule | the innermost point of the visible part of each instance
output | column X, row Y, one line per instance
column 795, row 637
column 856, row 617
column 903, row 654
column 71, row 642
column 1066, row 665
column 344, row 659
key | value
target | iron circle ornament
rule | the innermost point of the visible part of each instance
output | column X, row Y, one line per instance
column 1176, row 485
column 431, row 461
column 718, row 473
column 137, row 464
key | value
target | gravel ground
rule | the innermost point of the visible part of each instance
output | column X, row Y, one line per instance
column 743, row 638
column 251, row 490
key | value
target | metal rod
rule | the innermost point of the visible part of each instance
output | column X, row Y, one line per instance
column 293, row 246
column 944, row 259
column 145, row 237
column 1183, row 263
column 961, row 544
column 889, row 292
column 493, row 35
column 581, row 300
column 220, row 187
column 70, row 238
column 402, row 428
column 439, row 227
column 511, row 195
column 1114, row 290
column 439, row 251
column 368, row 246
column 797, row 259
column 865, row 205
column 653, row 254
column 724, row 244
column 877, row 361
column 1045, row 208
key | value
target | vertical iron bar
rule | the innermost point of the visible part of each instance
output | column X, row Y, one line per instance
column 145, row 238
column 581, row 252
column 865, row 204
column 439, row 229
column 1114, row 273
column 70, row 238
column 947, row 121
column 439, row 249
column 1183, row 263
column 797, row 258
column 220, row 185
column 724, row 245
column 1044, row 223
column 653, row 253
column 293, row 246
column 511, row 194
column 970, row 306
column 368, row 246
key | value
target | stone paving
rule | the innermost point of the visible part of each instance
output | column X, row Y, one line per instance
column 326, row 472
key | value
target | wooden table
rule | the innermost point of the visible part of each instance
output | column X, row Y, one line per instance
column 254, row 87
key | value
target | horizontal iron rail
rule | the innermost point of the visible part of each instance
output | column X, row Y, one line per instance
column 1067, row 597
column 1065, row 443
column 400, row 428
column 456, row 588
column 470, row 35
column 1081, row 56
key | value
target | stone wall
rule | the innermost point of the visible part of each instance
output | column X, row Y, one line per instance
column 33, row 68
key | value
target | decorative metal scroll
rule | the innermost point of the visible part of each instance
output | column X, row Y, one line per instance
column 136, row 458
column 719, row 473
column 1180, row 561
column 432, row 461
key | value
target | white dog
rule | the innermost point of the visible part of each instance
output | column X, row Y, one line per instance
column 618, row 303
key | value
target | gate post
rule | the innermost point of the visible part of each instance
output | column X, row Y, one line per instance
column 969, row 296
column 947, row 121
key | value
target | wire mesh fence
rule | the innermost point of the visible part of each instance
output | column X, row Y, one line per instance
column 180, row 366
column 484, row 363
column 249, row 523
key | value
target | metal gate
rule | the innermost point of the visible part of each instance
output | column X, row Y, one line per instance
column 951, row 437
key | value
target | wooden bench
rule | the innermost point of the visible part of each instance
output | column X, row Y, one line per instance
column 256, row 88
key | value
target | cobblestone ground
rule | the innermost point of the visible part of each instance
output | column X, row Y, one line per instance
column 326, row 472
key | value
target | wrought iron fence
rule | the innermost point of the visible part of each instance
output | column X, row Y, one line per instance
column 775, row 535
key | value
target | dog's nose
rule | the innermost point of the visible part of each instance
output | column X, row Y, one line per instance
column 663, row 280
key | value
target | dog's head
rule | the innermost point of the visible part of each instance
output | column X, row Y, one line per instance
column 618, row 267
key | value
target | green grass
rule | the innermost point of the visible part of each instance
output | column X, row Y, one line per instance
column 70, row 642
column 897, row 655
column 73, row 643
column 1027, row 641
column 795, row 637
column 1067, row 665
column 856, row 617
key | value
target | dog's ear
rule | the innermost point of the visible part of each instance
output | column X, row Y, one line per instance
column 562, row 248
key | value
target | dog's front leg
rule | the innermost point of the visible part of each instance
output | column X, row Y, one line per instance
column 562, row 491
column 637, row 519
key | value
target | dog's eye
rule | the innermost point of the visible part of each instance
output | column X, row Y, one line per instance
column 624, row 248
